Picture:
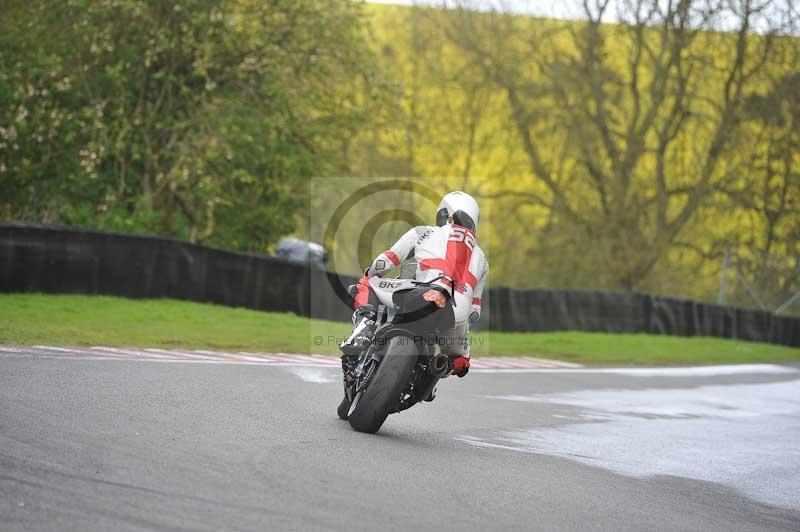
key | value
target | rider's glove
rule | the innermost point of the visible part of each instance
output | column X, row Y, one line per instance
column 435, row 297
column 460, row 366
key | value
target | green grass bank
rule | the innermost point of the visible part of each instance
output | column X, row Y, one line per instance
column 72, row 320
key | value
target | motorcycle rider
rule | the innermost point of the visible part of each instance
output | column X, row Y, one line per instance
column 447, row 255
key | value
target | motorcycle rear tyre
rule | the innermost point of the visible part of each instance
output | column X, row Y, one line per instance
column 383, row 391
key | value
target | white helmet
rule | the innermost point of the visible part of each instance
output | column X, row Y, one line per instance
column 460, row 208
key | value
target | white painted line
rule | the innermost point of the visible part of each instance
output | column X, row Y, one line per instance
column 7, row 349
column 280, row 357
column 103, row 357
column 214, row 354
column 529, row 363
column 249, row 357
column 480, row 365
column 513, row 362
column 553, row 363
column 520, row 362
column 65, row 350
column 684, row 371
column 129, row 352
column 306, row 358
column 226, row 356
column 485, row 363
column 180, row 353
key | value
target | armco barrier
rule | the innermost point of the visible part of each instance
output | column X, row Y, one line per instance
column 55, row 259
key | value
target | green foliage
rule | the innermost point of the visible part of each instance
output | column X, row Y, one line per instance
column 200, row 119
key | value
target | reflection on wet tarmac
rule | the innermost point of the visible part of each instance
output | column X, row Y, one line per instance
column 745, row 436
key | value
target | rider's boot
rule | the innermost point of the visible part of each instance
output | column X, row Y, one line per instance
column 361, row 337
column 431, row 396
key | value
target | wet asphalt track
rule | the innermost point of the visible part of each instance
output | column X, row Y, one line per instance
column 102, row 445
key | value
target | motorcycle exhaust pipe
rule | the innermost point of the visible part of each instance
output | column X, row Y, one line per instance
column 439, row 366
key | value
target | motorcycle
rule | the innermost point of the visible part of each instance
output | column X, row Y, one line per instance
column 402, row 364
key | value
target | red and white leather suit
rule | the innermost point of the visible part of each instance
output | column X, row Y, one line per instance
column 450, row 253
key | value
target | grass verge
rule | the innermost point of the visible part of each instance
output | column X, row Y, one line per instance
column 28, row 319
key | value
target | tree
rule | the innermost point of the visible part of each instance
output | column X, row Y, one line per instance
column 201, row 120
column 767, row 244
column 629, row 128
